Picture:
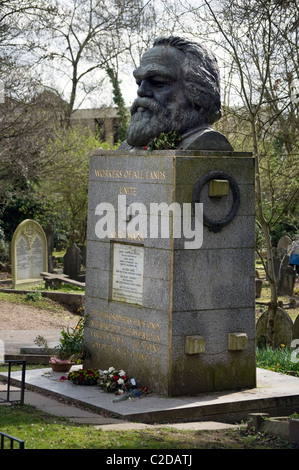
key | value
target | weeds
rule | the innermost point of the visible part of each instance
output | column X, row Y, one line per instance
column 281, row 359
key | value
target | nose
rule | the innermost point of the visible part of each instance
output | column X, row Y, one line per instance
column 144, row 89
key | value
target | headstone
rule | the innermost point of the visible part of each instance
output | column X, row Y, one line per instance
column 72, row 262
column 283, row 328
column 258, row 287
column 283, row 246
column 277, row 263
column 83, row 254
column 296, row 328
column 287, row 280
column 170, row 292
column 50, row 240
column 28, row 253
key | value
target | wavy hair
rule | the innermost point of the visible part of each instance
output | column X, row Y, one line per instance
column 201, row 76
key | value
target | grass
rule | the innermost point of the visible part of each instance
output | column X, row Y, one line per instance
column 42, row 303
column 282, row 360
column 61, row 287
column 42, row 431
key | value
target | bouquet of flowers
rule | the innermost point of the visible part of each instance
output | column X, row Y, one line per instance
column 137, row 392
column 115, row 381
column 84, row 376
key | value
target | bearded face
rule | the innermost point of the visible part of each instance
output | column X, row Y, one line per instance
column 149, row 120
column 161, row 105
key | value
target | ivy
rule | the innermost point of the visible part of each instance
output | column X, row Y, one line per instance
column 165, row 141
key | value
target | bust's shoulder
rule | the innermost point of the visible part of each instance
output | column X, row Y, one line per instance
column 205, row 138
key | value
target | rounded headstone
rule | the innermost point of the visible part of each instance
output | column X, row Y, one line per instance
column 283, row 328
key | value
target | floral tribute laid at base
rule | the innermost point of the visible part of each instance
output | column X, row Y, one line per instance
column 111, row 381
column 84, row 376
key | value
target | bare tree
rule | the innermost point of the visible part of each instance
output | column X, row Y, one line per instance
column 79, row 38
column 257, row 41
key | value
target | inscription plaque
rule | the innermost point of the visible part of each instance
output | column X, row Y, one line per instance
column 127, row 276
column 23, row 258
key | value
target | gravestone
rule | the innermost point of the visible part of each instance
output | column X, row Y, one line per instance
column 82, row 249
column 287, row 279
column 283, row 328
column 72, row 262
column 170, row 281
column 296, row 328
column 283, row 246
column 50, row 240
column 258, row 288
column 29, row 254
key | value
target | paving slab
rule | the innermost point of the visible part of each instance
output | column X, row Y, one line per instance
column 58, row 407
column 276, row 394
column 16, row 340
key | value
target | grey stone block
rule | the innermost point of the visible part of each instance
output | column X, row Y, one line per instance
column 189, row 297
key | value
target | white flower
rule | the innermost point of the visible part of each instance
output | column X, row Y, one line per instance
column 111, row 369
column 120, row 381
column 122, row 372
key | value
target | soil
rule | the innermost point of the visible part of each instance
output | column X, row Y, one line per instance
column 17, row 316
column 45, row 315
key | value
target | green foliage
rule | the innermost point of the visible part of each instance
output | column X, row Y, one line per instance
column 34, row 296
column 4, row 249
column 65, row 185
column 45, row 304
column 277, row 360
column 118, row 99
column 71, row 343
column 84, row 376
column 24, row 204
column 59, row 197
column 165, row 141
column 40, row 430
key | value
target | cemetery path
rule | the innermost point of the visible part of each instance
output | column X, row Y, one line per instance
column 17, row 316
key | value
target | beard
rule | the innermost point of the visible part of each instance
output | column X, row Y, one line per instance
column 149, row 119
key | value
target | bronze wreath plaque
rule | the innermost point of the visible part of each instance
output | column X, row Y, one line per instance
column 217, row 225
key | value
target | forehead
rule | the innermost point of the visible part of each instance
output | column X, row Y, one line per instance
column 162, row 60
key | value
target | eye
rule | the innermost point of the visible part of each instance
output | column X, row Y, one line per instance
column 158, row 83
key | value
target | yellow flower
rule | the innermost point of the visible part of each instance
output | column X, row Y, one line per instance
column 282, row 345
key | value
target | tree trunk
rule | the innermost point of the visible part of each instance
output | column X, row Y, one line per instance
column 269, row 252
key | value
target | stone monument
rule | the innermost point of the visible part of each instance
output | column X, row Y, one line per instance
column 29, row 254
column 72, row 262
column 170, row 278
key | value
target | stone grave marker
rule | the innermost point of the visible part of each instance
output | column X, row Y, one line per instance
column 283, row 328
column 287, row 279
column 170, row 292
column 72, row 262
column 50, row 240
column 83, row 254
column 296, row 328
column 29, row 254
column 283, row 246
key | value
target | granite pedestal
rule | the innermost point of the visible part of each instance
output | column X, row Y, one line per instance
column 175, row 313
